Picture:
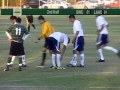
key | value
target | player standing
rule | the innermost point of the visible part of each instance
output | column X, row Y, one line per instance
column 102, row 39
column 16, row 34
column 13, row 20
column 53, row 42
column 47, row 29
column 78, row 42
column 29, row 19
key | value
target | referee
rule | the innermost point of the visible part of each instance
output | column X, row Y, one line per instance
column 47, row 29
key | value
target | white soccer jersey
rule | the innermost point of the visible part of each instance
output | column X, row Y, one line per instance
column 60, row 37
column 100, row 20
column 77, row 26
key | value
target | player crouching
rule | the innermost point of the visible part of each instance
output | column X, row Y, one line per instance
column 53, row 42
column 16, row 34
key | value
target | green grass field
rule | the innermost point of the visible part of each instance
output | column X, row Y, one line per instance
column 95, row 76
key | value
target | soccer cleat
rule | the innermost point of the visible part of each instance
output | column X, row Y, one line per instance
column 7, row 68
column 60, row 68
column 24, row 65
column 101, row 60
column 20, row 68
column 41, row 66
column 52, row 67
column 70, row 65
column 80, row 65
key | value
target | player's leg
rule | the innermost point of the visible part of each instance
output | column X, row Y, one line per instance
column 24, row 61
column 12, row 52
column 20, row 53
column 44, row 55
column 28, row 27
column 100, row 53
column 28, row 24
column 114, row 50
column 73, row 62
column 20, row 63
column 12, row 60
column 80, row 48
column 99, row 44
column 33, row 26
column 8, row 63
column 105, row 41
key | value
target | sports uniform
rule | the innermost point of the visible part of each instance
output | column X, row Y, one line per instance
column 53, row 42
column 78, row 44
column 17, row 33
column 102, row 39
column 47, row 29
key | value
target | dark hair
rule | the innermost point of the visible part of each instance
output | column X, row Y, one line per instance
column 18, row 20
column 72, row 16
column 13, row 17
column 68, row 40
column 41, row 18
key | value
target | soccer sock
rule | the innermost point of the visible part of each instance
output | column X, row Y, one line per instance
column 20, row 61
column 23, row 60
column 53, row 60
column 100, row 52
column 9, row 60
column 33, row 26
column 82, row 58
column 44, row 55
column 111, row 49
column 74, row 59
column 58, row 57
column 28, row 28
column 12, row 60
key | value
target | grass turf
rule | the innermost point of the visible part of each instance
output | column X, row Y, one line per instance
column 95, row 76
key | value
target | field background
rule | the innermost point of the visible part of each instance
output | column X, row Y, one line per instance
column 95, row 76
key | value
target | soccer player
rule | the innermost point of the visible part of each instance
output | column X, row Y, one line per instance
column 29, row 20
column 13, row 20
column 78, row 42
column 16, row 34
column 47, row 29
column 53, row 42
column 102, row 39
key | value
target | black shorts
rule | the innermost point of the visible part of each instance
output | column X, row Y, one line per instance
column 30, row 19
column 45, row 44
column 16, row 49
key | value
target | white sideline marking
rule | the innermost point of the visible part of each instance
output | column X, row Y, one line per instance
column 104, row 87
column 35, row 87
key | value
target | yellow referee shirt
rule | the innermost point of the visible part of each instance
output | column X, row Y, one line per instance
column 47, row 29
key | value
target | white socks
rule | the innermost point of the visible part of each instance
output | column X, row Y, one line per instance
column 23, row 60
column 56, row 60
column 111, row 49
column 74, row 59
column 82, row 59
column 100, row 52
column 12, row 60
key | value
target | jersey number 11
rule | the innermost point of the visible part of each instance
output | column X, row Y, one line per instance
column 18, row 31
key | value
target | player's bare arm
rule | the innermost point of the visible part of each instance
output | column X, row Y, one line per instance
column 75, row 37
column 102, row 27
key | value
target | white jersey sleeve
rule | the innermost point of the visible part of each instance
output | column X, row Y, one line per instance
column 65, row 39
column 101, row 21
column 77, row 26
